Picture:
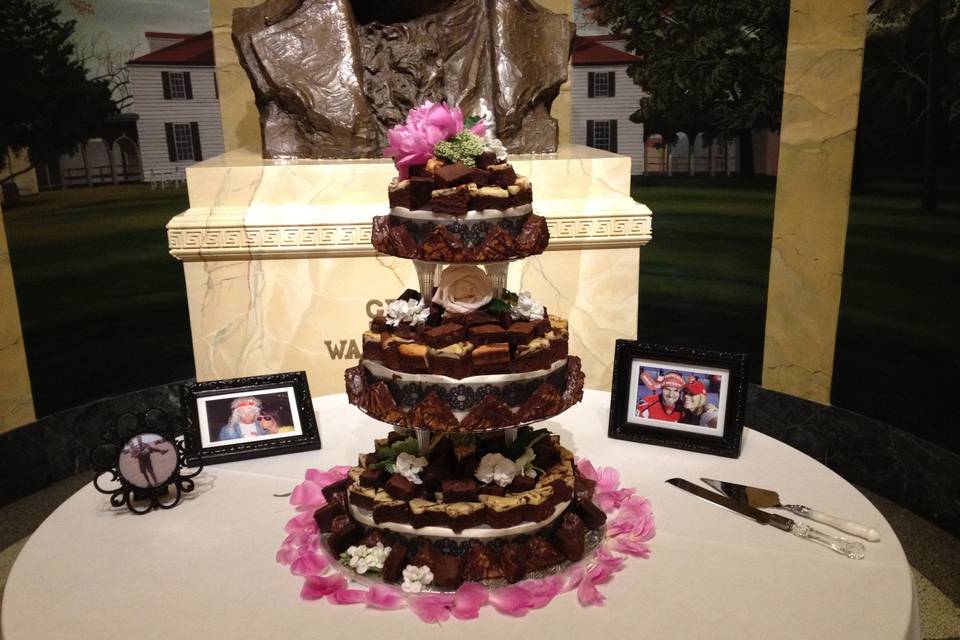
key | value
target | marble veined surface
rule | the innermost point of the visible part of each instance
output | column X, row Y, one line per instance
column 281, row 275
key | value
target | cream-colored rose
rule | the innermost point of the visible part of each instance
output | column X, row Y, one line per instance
column 463, row 288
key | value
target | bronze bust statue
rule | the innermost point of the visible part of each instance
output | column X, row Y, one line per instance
column 332, row 76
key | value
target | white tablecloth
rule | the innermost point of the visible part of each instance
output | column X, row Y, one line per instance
column 206, row 569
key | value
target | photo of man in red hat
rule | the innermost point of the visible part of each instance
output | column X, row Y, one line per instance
column 664, row 405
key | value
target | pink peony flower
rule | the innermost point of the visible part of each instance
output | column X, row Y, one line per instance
column 412, row 142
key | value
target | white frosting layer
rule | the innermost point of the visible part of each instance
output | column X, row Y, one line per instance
column 471, row 216
column 483, row 532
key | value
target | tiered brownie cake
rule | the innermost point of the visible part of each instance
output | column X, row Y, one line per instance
column 464, row 485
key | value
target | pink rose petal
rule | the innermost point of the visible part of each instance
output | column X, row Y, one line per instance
column 287, row 554
column 431, row 607
column 381, row 596
column 316, row 587
column 307, row 495
column 542, row 591
column 468, row 599
column 309, row 563
column 347, row 596
column 608, row 479
column 323, row 478
column 588, row 594
column 587, row 470
column 512, row 601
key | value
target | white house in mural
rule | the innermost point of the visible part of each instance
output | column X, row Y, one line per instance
column 175, row 94
column 603, row 97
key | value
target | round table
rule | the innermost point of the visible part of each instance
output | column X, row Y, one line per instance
column 207, row 568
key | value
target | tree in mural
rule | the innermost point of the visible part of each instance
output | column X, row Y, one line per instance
column 910, row 98
column 49, row 104
column 712, row 67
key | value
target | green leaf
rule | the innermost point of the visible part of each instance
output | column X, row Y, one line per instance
column 497, row 306
column 472, row 120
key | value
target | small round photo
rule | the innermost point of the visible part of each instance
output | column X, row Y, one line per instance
column 147, row 460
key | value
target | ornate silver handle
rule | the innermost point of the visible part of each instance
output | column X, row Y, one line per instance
column 847, row 526
column 853, row 550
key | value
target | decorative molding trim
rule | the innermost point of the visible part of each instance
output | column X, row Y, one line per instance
column 231, row 242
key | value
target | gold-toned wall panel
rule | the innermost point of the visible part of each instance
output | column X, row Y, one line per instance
column 16, row 397
column 820, row 104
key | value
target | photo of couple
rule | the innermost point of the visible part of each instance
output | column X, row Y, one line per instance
column 678, row 396
column 249, row 416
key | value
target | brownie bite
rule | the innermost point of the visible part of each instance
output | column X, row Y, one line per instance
column 480, row 563
column 395, row 563
column 464, row 515
column 324, row 516
column 487, row 334
column 452, row 175
column 452, row 360
column 491, row 358
column 569, row 536
column 459, row 490
column 502, row 175
column 444, row 335
column 340, row 486
column 490, row 413
column 523, row 332
column 400, row 488
column 434, row 414
column 391, row 511
column 372, row 349
column 427, row 513
column 592, row 515
column 533, row 356
column 371, row 477
column 421, row 190
column 452, row 201
column 413, row 357
column 344, row 533
column 513, row 561
column 542, row 554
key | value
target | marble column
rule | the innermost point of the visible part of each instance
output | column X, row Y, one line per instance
column 820, row 100
column 238, row 113
column 16, row 398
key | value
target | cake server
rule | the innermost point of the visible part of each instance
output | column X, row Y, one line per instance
column 853, row 550
column 766, row 499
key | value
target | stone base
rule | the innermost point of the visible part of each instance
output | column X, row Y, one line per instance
column 281, row 275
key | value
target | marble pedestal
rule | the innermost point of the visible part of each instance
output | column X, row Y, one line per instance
column 281, row 275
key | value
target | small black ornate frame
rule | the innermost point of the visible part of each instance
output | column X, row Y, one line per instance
column 201, row 442
column 626, row 422
column 129, row 483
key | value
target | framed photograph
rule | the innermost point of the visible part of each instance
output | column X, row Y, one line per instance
column 678, row 397
column 249, row 417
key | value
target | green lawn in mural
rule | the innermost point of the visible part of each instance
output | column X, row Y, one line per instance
column 704, row 282
column 102, row 304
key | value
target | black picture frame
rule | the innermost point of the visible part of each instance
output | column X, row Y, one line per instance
column 216, row 412
column 714, row 428
column 141, row 462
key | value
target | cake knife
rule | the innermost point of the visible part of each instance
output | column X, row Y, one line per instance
column 853, row 550
column 766, row 499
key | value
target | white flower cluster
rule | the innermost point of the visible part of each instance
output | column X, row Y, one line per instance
column 363, row 559
column 412, row 311
column 496, row 467
column 416, row 578
column 410, row 466
column 526, row 308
